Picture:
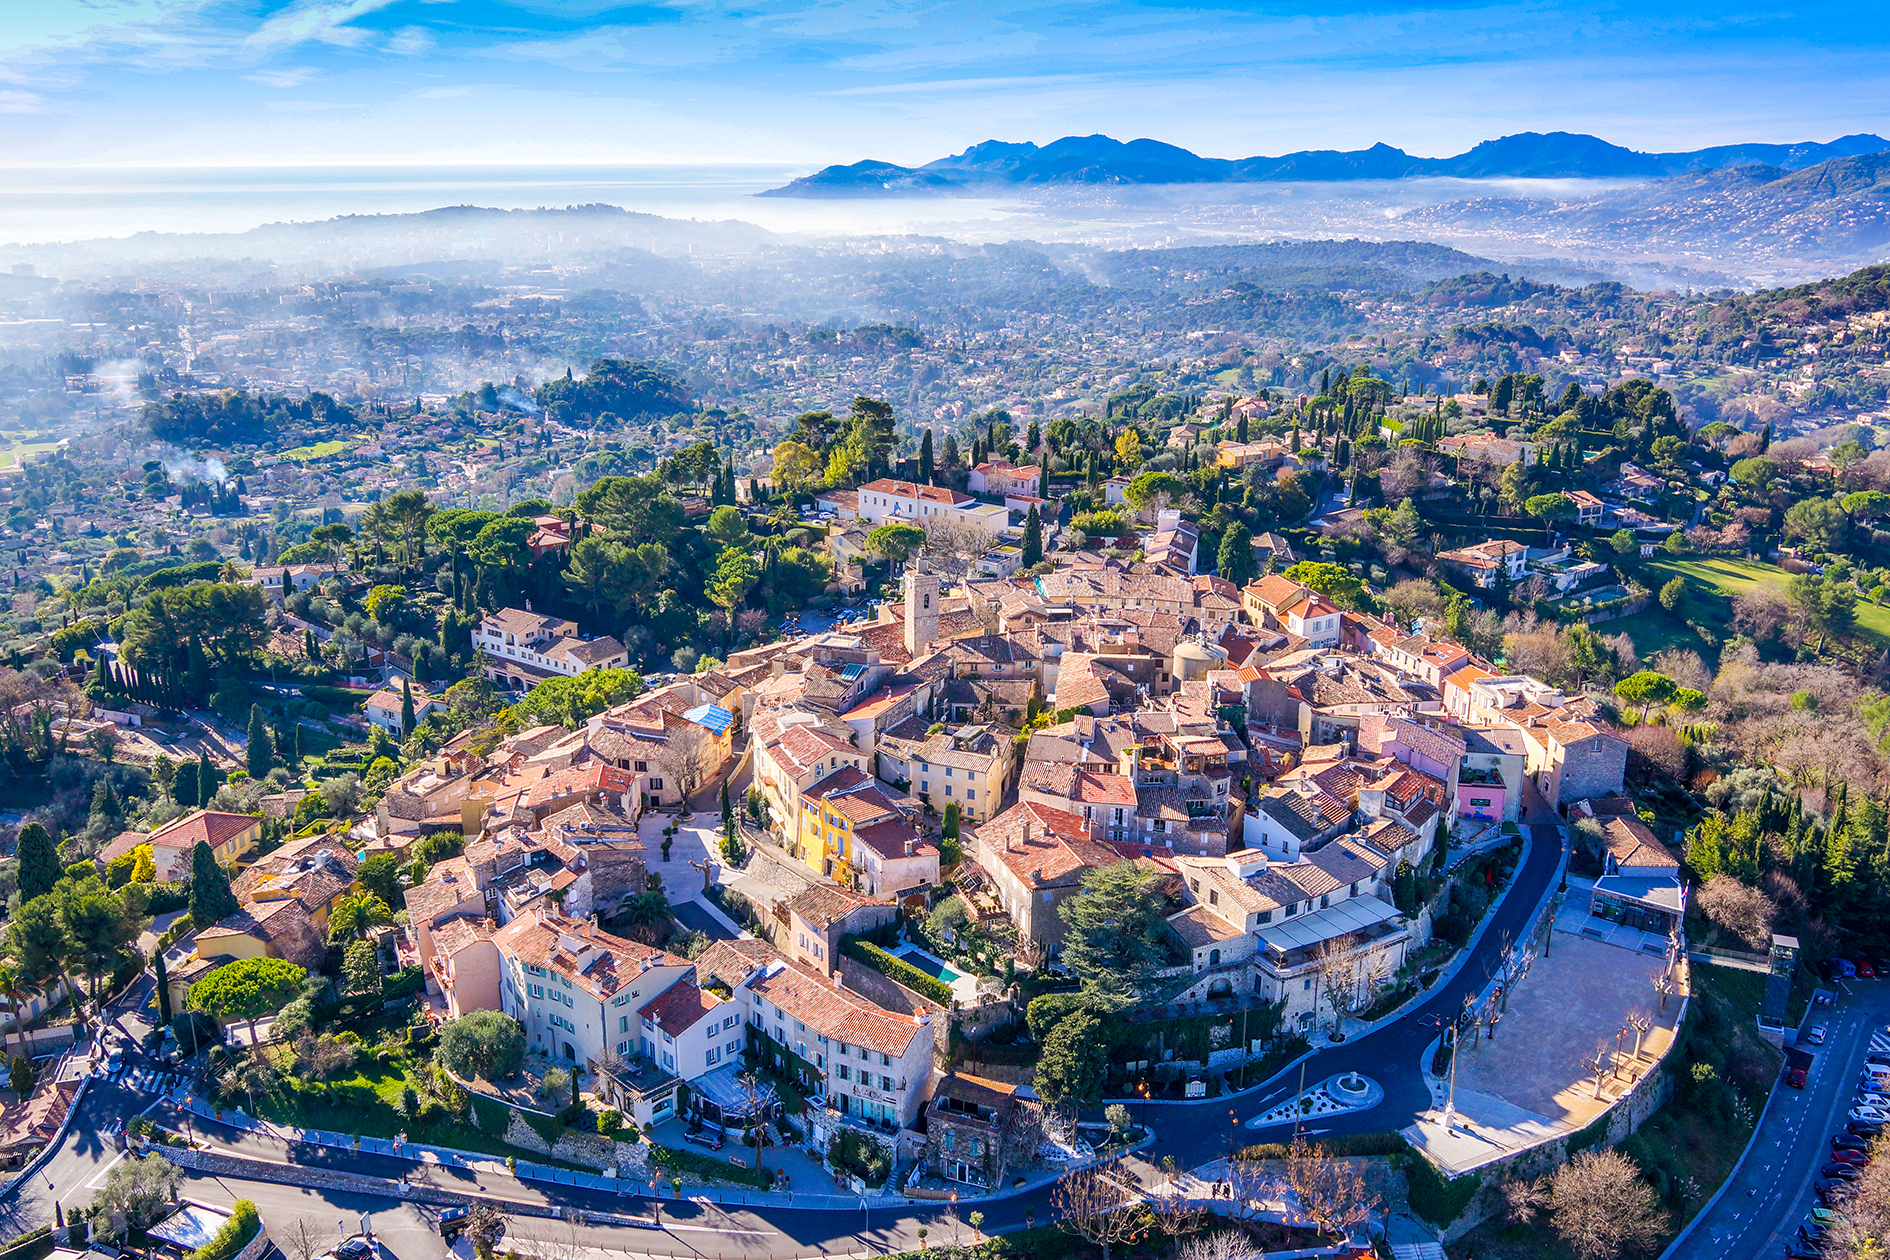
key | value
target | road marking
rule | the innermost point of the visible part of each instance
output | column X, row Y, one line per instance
column 99, row 1176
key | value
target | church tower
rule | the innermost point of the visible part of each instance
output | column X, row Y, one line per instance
column 921, row 596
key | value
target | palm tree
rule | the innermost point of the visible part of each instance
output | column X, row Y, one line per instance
column 13, row 987
column 356, row 914
column 644, row 912
column 229, row 573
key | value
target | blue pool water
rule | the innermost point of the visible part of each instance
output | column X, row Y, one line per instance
column 928, row 964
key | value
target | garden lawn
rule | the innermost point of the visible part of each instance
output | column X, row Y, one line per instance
column 1731, row 577
column 366, row 1102
column 318, row 450
column 1655, row 630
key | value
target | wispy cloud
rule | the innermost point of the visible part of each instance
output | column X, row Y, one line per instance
column 319, row 21
column 286, row 78
column 15, row 102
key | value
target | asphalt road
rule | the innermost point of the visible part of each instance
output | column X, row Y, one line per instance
column 1771, row 1195
column 1192, row 1133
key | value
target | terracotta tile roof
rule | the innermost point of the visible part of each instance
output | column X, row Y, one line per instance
column 1275, row 591
column 822, row 904
column 802, row 748
column 680, row 1007
column 1630, row 843
column 1090, row 787
column 1056, row 851
column 888, row 839
column 833, row 1012
column 729, row 961
column 616, row 962
column 207, row 825
column 913, row 490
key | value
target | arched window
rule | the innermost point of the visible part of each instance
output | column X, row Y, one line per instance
column 1214, row 958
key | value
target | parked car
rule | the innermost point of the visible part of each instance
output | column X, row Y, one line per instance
column 1831, row 1191
column 1848, row 1142
column 711, row 1140
column 1860, row 1158
column 1841, row 968
column 1814, row 1036
column 1865, row 970
column 1795, row 1077
column 1865, row 1128
column 1874, row 1115
column 354, row 1249
column 1840, row 1172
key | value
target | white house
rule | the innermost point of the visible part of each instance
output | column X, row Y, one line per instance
column 278, row 580
column 581, row 993
column 871, row 1064
column 910, row 503
column 523, row 648
column 383, row 708
column 1314, row 620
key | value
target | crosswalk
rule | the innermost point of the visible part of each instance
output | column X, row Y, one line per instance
column 1880, row 1042
column 147, row 1080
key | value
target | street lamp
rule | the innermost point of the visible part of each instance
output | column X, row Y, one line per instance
column 1233, row 1127
column 656, row 1204
column 1144, row 1092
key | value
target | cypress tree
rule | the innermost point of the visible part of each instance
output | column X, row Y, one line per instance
column 406, row 709
column 261, row 753
column 728, row 812
column 163, row 987
column 39, row 862
column 1033, row 537
column 184, row 785
column 206, row 781
column 926, row 468
column 421, row 674
column 210, row 895
column 1043, row 476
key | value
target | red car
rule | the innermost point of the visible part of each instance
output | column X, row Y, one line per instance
column 1845, row 1156
column 1864, row 970
column 1795, row 1078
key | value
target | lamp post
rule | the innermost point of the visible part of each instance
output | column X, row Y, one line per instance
column 1233, row 1127
column 1144, row 1092
column 656, row 1204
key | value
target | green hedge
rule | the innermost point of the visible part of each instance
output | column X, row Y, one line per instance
column 490, row 1115
column 164, row 898
column 403, row 983
column 235, row 1234
column 900, row 971
column 1384, row 1143
column 1436, row 1200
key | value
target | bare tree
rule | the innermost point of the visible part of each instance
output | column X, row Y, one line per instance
column 485, row 1225
column 1337, row 968
column 684, row 756
column 1739, row 909
column 1524, row 1199
column 1601, row 1207
column 305, row 1239
column 1331, row 1193
column 1251, row 1189
column 1097, row 1205
column 953, row 546
column 1227, row 1244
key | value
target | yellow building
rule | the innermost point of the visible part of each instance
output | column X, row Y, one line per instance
column 230, row 837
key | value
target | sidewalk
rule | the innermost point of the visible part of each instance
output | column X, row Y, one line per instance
column 485, row 1169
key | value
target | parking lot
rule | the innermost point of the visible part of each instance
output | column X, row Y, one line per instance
column 1775, row 1190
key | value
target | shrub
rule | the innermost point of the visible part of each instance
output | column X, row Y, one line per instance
column 1436, row 1200
column 609, row 1122
column 235, row 1234
column 900, row 971
column 482, row 1044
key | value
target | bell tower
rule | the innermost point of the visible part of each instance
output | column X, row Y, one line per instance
column 921, row 598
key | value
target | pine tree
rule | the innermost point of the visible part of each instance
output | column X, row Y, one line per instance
column 260, row 754
column 210, row 897
column 406, row 709
column 1033, row 537
column 39, row 861
column 926, row 468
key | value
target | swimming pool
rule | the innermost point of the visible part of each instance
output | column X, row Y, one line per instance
column 926, row 963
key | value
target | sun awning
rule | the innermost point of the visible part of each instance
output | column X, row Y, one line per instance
column 710, row 716
column 724, row 1088
column 1355, row 914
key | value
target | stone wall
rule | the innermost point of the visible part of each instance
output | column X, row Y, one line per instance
column 593, row 1150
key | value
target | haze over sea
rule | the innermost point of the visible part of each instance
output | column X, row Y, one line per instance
column 43, row 205
column 48, row 205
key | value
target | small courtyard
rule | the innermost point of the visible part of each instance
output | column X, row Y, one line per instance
column 1567, row 1009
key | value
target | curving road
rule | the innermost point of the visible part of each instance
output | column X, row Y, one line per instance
column 1191, row 1133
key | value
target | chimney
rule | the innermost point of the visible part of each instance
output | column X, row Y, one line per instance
column 780, row 666
column 1026, row 831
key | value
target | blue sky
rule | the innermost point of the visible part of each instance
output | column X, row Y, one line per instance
column 551, row 81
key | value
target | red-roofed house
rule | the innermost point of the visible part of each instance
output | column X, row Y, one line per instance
column 230, row 837
column 1037, row 856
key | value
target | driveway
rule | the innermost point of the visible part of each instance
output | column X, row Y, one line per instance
column 1770, row 1196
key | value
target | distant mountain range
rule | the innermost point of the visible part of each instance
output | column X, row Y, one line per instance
column 1094, row 160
